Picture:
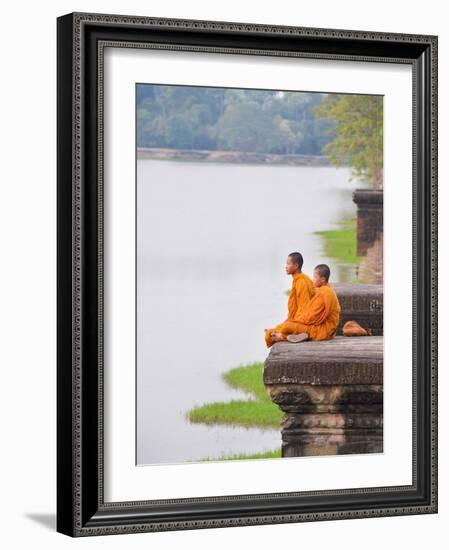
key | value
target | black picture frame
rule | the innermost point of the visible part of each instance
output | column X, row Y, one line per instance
column 81, row 510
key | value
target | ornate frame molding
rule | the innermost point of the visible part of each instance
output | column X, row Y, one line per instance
column 82, row 38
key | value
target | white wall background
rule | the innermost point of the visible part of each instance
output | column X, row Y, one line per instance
column 28, row 272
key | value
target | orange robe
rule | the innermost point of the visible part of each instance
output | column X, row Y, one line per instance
column 319, row 319
column 300, row 295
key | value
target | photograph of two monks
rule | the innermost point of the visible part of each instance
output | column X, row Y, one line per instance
column 259, row 274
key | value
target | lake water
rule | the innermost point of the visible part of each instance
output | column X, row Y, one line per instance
column 212, row 241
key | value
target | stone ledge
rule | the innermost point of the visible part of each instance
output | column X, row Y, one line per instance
column 367, row 198
column 342, row 360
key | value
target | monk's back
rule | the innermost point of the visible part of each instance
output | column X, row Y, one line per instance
column 331, row 299
column 309, row 285
column 301, row 293
column 334, row 304
column 306, row 284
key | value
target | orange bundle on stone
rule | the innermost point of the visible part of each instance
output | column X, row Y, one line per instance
column 352, row 328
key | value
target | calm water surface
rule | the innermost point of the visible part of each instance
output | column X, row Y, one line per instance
column 212, row 241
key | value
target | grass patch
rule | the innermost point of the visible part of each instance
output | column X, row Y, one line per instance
column 248, row 378
column 276, row 453
column 238, row 413
column 341, row 244
column 259, row 411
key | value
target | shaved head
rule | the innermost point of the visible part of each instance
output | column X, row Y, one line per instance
column 323, row 271
column 297, row 258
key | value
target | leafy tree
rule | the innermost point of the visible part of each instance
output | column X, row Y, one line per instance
column 198, row 117
column 151, row 129
column 357, row 134
column 245, row 127
column 290, row 135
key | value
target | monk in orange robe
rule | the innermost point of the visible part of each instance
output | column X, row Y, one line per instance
column 300, row 294
column 319, row 319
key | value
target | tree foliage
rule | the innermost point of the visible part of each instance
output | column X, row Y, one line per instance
column 357, row 135
column 261, row 121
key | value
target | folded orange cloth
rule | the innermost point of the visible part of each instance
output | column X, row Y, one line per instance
column 352, row 328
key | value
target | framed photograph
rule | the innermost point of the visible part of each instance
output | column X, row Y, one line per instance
column 247, row 274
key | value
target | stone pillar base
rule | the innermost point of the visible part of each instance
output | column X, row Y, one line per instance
column 369, row 217
column 331, row 394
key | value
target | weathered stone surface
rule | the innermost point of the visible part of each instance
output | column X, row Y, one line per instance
column 342, row 360
column 304, row 398
column 363, row 303
column 371, row 268
column 332, row 444
column 369, row 217
column 331, row 393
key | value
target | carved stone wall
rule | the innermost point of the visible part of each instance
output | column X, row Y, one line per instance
column 331, row 393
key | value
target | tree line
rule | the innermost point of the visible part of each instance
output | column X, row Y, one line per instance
column 348, row 128
column 261, row 121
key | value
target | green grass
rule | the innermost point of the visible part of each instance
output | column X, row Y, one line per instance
column 248, row 378
column 341, row 244
column 238, row 413
column 259, row 411
column 276, row 453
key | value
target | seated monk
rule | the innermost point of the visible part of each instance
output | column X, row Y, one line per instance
column 319, row 319
column 300, row 294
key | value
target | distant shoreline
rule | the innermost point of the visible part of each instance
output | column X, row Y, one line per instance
column 231, row 156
